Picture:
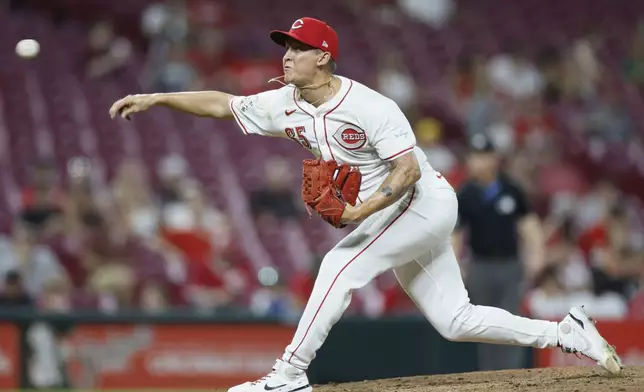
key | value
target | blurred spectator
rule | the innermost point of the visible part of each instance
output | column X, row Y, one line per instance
column 36, row 264
column 584, row 73
column 502, row 134
column 166, row 26
column 107, row 52
column 175, row 73
column 42, row 189
column 157, row 258
column 548, row 289
column 57, row 296
column 480, row 111
column 428, row 135
column 611, row 258
column 620, row 229
column 594, row 207
column 193, row 215
column 189, row 228
column 552, row 66
column 208, row 293
column 213, row 220
column 173, row 174
column 384, row 12
column 13, row 292
column 42, row 199
column 107, row 258
column 85, row 198
column 573, row 273
column 609, row 120
column 533, row 128
column 201, row 234
column 551, row 301
column 207, row 287
column 435, row 13
column 134, row 199
column 513, row 74
column 395, row 82
column 154, row 298
column 165, row 22
column 611, row 250
column 276, row 200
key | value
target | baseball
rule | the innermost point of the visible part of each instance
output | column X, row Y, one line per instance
column 27, row 48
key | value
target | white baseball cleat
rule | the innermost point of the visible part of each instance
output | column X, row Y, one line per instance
column 283, row 378
column 579, row 335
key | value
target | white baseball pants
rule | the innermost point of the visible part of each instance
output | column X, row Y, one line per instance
column 412, row 237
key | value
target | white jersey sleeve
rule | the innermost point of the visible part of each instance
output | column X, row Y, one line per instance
column 392, row 135
column 254, row 113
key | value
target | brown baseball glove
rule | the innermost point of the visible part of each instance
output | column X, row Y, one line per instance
column 327, row 188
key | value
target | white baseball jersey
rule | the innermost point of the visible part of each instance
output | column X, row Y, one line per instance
column 362, row 128
column 358, row 126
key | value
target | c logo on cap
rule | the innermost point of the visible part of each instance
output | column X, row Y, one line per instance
column 297, row 24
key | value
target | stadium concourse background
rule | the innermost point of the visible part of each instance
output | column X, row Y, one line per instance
column 173, row 252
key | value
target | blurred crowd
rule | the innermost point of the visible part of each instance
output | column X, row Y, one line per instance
column 135, row 244
column 594, row 232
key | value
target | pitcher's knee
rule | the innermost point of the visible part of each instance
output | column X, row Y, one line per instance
column 458, row 325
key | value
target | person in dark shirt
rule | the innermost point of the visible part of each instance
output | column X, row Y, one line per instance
column 276, row 199
column 501, row 227
column 13, row 293
column 41, row 200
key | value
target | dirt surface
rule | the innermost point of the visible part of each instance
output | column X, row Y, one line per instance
column 568, row 379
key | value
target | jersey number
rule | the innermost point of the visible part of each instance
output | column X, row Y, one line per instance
column 298, row 137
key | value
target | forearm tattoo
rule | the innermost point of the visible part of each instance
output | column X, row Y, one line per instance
column 403, row 174
column 387, row 191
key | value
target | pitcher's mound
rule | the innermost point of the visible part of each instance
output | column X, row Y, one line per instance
column 568, row 379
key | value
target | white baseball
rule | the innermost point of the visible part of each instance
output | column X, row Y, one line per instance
column 27, row 48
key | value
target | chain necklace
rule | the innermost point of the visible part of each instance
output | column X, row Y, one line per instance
column 310, row 87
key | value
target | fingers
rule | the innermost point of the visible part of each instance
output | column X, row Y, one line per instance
column 125, row 107
column 127, row 111
column 118, row 106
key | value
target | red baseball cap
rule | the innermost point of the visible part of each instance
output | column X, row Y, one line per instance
column 312, row 32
